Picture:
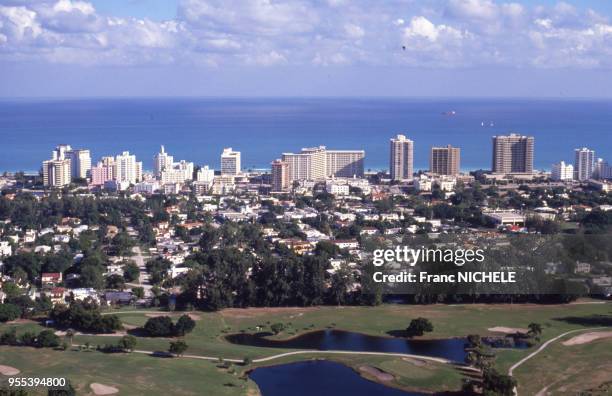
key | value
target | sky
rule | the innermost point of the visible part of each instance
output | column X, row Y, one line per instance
column 446, row 48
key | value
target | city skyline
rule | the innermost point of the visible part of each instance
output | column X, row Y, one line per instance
column 512, row 154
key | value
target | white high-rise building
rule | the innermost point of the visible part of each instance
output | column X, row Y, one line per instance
column 562, row 172
column 80, row 160
column 205, row 174
column 309, row 164
column 230, row 162
column 401, row 159
column 60, row 152
column 345, row 163
column 127, row 169
column 162, row 161
column 80, row 163
column 318, row 163
column 56, row 173
column 584, row 163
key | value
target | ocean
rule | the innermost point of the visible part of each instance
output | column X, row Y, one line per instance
column 197, row 129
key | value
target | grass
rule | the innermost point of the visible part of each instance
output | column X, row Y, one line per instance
column 132, row 374
column 448, row 320
column 568, row 369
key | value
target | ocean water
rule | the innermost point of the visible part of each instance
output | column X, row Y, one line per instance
column 262, row 129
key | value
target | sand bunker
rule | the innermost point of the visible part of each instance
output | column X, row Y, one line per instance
column 507, row 330
column 587, row 337
column 8, row 370
column 376, row 373
column 101, row 389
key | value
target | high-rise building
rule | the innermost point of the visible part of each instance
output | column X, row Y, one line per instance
column 162, row 161
column 318, row 163
column 345, row 163
column 56, row 173
column 80, row 163
column 445, row 160
column 584, row 163
column 205, row 174
column 513, row 154
column 280, row 176
column 127, row 169
column 230, row 162
column 80, row 160
column 562, row 172
column 401, row 160
column 103, row 172
column 603, row 170
column 60, row 152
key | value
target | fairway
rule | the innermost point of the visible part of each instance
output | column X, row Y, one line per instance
column 157, row 375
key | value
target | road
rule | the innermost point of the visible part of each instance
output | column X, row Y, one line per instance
column 143, row 277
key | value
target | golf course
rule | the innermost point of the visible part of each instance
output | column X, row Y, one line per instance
column 567, row 365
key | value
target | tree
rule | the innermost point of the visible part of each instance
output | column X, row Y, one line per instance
column 184, row 325
column 495, row 383
column 178, row 348
column 9, row 312
column 115, row 281
column 127, row 343
column 138, row 292
column 277, row 328
column 535, row 329
column 247, row 361
column 160, row 326
column 47, row 339
column 418, row 327
column 131, row 272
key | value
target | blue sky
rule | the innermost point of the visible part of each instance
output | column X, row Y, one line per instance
column 81, row 48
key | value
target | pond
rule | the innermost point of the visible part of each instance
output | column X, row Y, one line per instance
column 326, row 340
column 319, row 377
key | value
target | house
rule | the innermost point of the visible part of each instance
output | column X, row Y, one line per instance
column 120, row 298
column 51, row 278
column 5, row 249
column 82, row 294
column 346, row 243
column 582, row 268
column 57, row 295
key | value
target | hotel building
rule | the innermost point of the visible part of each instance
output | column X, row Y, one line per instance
column 56, row 173
column 318, row 163
column 230, row 162
column 127, row 169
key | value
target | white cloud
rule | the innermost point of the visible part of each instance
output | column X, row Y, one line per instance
column 70, row 6
column 445, row 33
column 353, row 31
column 421, row 27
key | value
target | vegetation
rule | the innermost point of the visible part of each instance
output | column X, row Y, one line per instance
column 178, row 347
column 86, row 317
column 162, row 326
column 418, row 327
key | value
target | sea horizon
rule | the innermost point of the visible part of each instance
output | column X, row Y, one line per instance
column 262, row 128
